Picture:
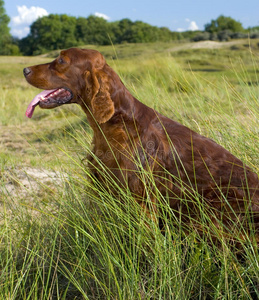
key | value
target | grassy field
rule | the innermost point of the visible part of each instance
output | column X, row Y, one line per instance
column 64, row 238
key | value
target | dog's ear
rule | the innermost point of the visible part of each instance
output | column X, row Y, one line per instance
column 98, row 89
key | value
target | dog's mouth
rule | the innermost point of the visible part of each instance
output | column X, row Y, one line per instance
column 50, row 99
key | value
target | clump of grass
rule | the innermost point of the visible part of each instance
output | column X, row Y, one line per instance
column 90, row 244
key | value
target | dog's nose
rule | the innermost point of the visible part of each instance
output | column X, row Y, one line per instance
column 26, row 71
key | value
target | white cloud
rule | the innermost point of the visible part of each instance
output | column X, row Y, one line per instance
column 100, row 15
column 28, row 15
column 20, row 32
column 193, row 26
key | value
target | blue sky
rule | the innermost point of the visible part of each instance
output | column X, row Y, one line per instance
column 176, row 15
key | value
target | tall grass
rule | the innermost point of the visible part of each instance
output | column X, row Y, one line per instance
column 79, row 241
column 88, row 245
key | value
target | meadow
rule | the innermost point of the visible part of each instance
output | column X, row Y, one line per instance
column 64, row 238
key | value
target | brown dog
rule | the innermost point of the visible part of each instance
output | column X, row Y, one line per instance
column 131, row 138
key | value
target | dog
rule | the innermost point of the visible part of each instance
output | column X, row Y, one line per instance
column 130, row 139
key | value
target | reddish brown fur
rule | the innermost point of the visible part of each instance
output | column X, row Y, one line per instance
column 127, row 132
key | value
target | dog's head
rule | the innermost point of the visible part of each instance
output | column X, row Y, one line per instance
column 75, row 76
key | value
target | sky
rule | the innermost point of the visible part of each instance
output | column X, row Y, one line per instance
column 176, row 15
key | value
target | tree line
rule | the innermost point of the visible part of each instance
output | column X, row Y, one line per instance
column 62, row 31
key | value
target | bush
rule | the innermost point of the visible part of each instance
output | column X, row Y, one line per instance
column 255, row 35
column 224, row 35
column 13, row 50
column 213, row 36
column 238, row 35
column 202, row 36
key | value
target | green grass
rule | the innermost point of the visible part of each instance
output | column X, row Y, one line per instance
column 77, row 241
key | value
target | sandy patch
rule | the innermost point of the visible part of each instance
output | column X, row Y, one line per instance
column 205, row 45
column 30, row 181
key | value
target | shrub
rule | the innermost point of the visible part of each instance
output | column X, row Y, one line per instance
column 202, row 36
column 238, row 35
column 255, row 35
column 224, row 35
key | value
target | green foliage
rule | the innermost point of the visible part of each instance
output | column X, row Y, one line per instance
column 6, row 46
column 222, row 36
column 4, row 21
column 202, row 36
column 62, row 31
column 254, row 32
column 140, row 32
column 223, row 23
column 93, row 30
column 222, row 29
column 50, row 33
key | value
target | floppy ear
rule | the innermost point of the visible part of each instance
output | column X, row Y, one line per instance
column 101, row 102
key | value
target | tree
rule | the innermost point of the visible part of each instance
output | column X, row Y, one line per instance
column 122, row 30
column 223, row 23
column 54, row 32
column 93, row 30
column 5, row 36
column 50, row 33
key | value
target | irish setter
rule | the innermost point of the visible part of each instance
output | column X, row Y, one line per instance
column 137, row 148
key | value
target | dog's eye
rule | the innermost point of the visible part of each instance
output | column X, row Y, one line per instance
column 61, row 61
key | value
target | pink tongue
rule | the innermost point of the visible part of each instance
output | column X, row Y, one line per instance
column 35, row 102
